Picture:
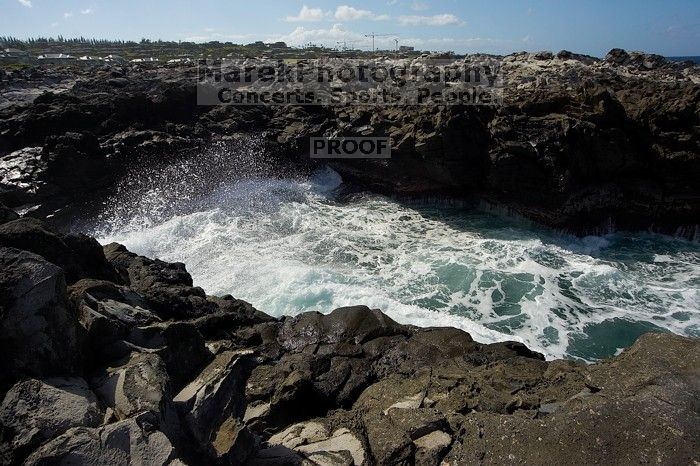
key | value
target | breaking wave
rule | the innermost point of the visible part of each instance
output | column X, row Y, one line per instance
column 289, row 246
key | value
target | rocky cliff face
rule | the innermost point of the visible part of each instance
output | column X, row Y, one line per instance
column 114, row 358
column 581, row 144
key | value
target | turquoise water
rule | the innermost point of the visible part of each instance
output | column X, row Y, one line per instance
column 289, row 246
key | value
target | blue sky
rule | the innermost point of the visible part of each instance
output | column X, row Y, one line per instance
column 670, row 27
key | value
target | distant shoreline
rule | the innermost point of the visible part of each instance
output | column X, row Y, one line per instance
column 695, row 59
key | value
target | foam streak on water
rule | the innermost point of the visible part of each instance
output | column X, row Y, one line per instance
column 289, row 246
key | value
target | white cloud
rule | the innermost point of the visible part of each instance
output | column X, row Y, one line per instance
column 348, row 13
column 211, row 35
column 306, row 14
column 87, row 11
column 68, row 14
column 417, row 5
column 435, row 20
column 328, row 37
column 27, row 3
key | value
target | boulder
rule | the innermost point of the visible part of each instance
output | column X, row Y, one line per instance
column 179, row 344
column 315, row 442
column 22, row 171
column 35, row 411
column 167, row 287
column 231, row 314
column 139, row 383
column 639, row 407
column 109, row 312
column 212, row 407
column 137, row 440
column 7, row 214
column 78, row 255
column 357, row 324
column 39, row 331
column 431, row 448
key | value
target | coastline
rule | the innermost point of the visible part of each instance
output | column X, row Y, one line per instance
column 117, row 357
column 134, row 343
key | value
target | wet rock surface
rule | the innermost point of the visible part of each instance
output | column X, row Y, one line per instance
column 580, row 144
column 104, row 372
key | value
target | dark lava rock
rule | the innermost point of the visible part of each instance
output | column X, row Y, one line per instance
column 7, row 214
column 137, row 440
column 78, row 255
column 35, row 411
column 38, row 328
column 356, row 324
column 187, row 378
column 167, row 287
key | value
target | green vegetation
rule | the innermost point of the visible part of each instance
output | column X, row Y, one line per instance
column 167, row 50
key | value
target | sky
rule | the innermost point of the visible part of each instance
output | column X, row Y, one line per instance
column 670, row 27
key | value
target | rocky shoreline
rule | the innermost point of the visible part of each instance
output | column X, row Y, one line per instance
column 114, row 358
column 583, row 145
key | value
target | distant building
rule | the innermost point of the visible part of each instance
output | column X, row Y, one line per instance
column 17, row 53
column 56, row 58
column 406, row 48
column 113, row 59
column 15, row 56
column 89, row 59
column 144, row 60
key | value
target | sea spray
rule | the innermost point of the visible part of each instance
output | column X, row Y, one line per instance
column 289, row 246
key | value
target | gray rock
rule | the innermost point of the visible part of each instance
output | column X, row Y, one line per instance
column 180, row 345
column 80, row 256
column 140, row 383
column 276, row 456
column 7, row 214
column 109, row 312
column 167, row 287
column 130, row 442
column 213, row 405
column 38, row 410
column 313, row 441
column 431, row 448
column 38, row 329
column 357, row 324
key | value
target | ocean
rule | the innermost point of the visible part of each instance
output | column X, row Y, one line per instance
column 290, row 245
column 693, row 59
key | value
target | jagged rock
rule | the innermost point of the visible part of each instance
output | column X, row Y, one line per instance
column 231, row 314
column 180, row 345
column 313, row 441
column 299, row 386
column 108, row 312
column 431, row 448
column 138, row 384
column 276, row 456
column 213, row 405
column 388, row 444
column 357, row 324
column 78, row 255
column 167, row 287
column 133, row 441
column 21, row 173
column 35, row 411
column 7, row 214
column 617, row 57
column 38, row 329
column 649, row 407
